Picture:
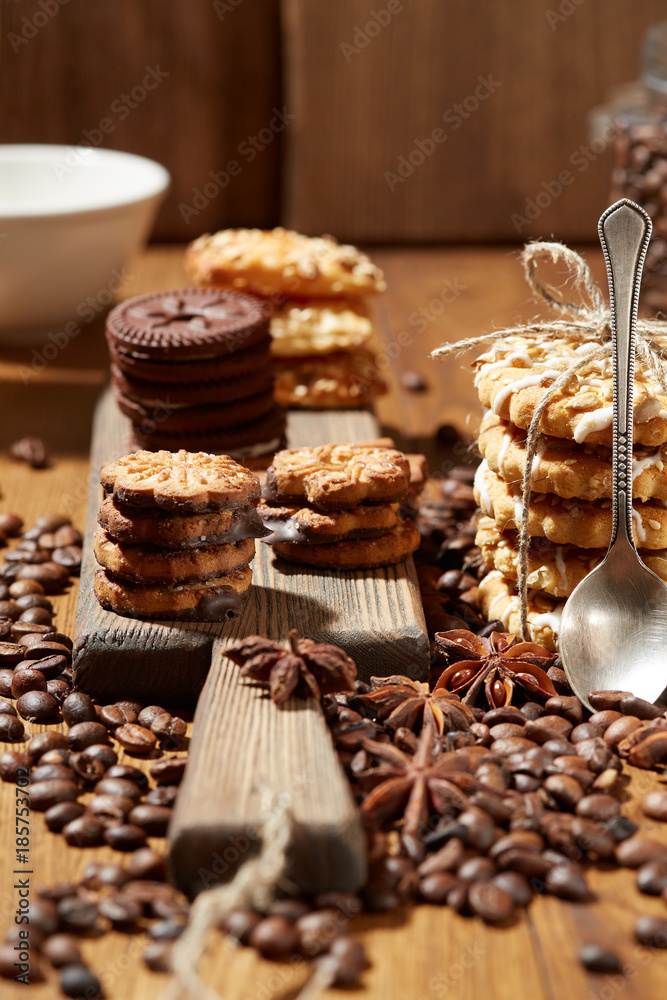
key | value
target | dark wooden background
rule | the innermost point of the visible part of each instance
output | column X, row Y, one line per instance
column 357, row 110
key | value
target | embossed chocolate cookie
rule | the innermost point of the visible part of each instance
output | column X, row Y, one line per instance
column 281, row 262
column 319, row 326
column 233, row 363
column 170, row 417
column 554, row 569
column 149, row 526
column 192, row 323
column 498, row 599
column 259, row 437
column 292, row 523
column 346, row 380
column 146, row 564
column 366, row 553
column 150, row 395
column 184, row 481
column 213, row 600
column 337, row 476
column 585, row 523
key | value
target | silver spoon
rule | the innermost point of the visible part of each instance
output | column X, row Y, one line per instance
column 613, row 632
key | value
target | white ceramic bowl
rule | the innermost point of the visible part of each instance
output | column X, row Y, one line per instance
column 70, row 218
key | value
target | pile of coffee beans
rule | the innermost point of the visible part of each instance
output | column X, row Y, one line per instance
column 48, row 554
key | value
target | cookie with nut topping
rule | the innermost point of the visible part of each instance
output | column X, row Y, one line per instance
column 338, row 476
column 281, row 262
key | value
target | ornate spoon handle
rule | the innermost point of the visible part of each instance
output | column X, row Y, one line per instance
column 625, row 231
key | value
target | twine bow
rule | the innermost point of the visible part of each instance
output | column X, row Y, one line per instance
column 581, row 321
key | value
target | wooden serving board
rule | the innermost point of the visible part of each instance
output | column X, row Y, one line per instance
column 243, row 746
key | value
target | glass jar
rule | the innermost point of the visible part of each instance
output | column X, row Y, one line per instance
column 639, row 128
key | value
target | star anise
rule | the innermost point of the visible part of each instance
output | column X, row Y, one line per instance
column 493, row 667
column 400, row 701
column 413, row 788
column 306, row 669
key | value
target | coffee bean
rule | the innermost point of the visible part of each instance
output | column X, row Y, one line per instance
column 620, row 828
column 27, row 679
column 61, row 638
column 110, row 807
column 317, row 930
column 133, row 774
column 604, row 719
column 490, row 901
column 13, row 765
column 567, row 706
column 112, row 716
column 36, row 616
column 31, row 450
column 274, row 938
column 68, row 556
column 43, row 742
column 8, row 970
column 5, row 628
column 164, row 795
column 651, row 932
column 547, row 727
column 84, row 831
column 136, row 739
column 344, row 962
column 85, row 734
column 585, row 731
column 147, row 864
column 654, row 805
column 77, row 913
column 479, row 828
column 568, row 881
column 89, row 768
column 638, row 850
column 632, row 705
column 51, row 576
column 118, row 786
column 478, row 869
column 44, row 794
column 169, row 729
column 40, row 650
column 7, row 709
column 79, row 707
column 166, row 930
column 620, row 729
column 516, row 885
column 565, row 790
column 49, row 666
column 22, row 629
column 58, row 689
column 597, row 959
column 78, row 981
column 598, row 806
column 158, row 956
column 147, row 714
column 121, row 911
column 59, row 815
column 11, row 729
column 153, row 820
column 126, row 837
column 436, row 887
column 240, row 924
column 37, row 706
column 22, row 587
column 33, row 601
column 61, row 949
column 52, row 772
column 10, row 654
column 168, row 771
column 43, row 914
column 603, row 700
column 56, row 757
column 10, row 524
column 652, row 878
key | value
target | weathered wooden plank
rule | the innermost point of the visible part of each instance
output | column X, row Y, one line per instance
column 376, row 616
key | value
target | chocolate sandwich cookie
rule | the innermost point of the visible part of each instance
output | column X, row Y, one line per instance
column 262, row 436
column 213, row 600
column 291, row 523
column 147, row 564
column 365, row 553
column 145, row 526
column 179, row 482
column 171, row 417
column 220, row 391
column 234, row 363
column 192, row 323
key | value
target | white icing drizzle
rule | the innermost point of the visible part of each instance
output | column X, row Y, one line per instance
column 480, row 486
column 505, row 362
column 523, row 383
column 639, row 526
column 639, row 464
column 540, row 449
column 508, row 437
column 561, row 567
column 549, row 619
column 598, row 420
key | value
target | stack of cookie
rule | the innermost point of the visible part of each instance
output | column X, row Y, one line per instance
column 321, row 323
column 338, row 506
column 570, row 515
column 176, row 537
column 192, row 370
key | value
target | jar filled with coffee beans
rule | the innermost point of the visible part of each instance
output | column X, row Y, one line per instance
column 640, row 158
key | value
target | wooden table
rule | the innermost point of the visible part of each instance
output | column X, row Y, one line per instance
column 417, row 953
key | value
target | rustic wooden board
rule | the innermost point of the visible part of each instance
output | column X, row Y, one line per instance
column 376, row 616
column 243, row 745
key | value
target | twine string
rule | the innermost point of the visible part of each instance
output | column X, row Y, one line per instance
column 587, row 320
